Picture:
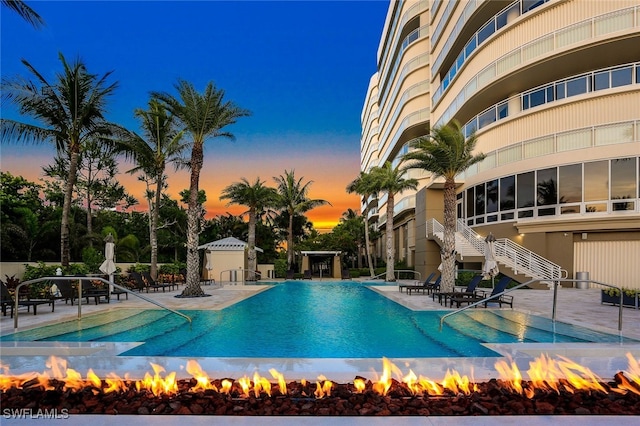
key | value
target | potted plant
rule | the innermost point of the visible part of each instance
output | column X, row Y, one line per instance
column 612, row 295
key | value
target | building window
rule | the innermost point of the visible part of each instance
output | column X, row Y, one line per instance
column 526, row 186
column 492, row 196
column 470, row 203
column 570, row 184
column 623, row 183
column 547, row 187
column 622, row 77
column 577, row 86
column 507, row 193
column 596, row 181
column 480, row 199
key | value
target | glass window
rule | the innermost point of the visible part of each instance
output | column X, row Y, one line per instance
column 570, row 183
column 470, row 203
column 527, row 213
column 621, row 77
column 596, row 181
column 492, row 196
column 503, row 110
column 549, row 90
column 627, row 205
column 601, row 80
column 547, row 211
column 577, row 86
column 528, row 5
column 595, row 208
column 487, row 118
column 536, row 98
column 560, row 89
column 470, row 47
column 479, row 199
column 637, row 74
column 623, row 178
column 507, row 193
column 547, row 187
column 525, row 190
column 485, row 32
column 507, row 216
column 570, row 210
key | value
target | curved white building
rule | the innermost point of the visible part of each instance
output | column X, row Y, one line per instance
column 552, row 91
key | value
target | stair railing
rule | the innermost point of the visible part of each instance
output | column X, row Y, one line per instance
column 509, row 253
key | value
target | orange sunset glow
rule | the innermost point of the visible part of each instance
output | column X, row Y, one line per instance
column 330, row 174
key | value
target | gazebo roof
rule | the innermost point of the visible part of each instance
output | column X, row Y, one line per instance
column 226, row 244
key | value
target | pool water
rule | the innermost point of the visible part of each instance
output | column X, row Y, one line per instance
column 305, row 319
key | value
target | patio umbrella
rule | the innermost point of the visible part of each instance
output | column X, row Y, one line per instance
column 490, row 268
column 209, row 258
column 108, row 266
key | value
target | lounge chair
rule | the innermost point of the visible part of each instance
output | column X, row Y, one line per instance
column 138, row 283
column 290, row 274
column 7, row 299
column 417, row 284
column 426, row 288
column 307, row 274
column 89, row 290
column 151, row 283
column 470, row 291
column 345, row 274
column 65, row 291
column 493, row 297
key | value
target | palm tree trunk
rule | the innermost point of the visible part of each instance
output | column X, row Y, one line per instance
column 290, row 242
column 89, row 219
column 368, row 243
column 449, row 244
column 65, row 248
column 192, row 288
column 252, row 263
column 153, row 230
column 390, row 249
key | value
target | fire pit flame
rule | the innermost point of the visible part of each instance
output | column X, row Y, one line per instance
column 544, row 375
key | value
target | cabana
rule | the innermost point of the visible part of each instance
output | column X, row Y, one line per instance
column 226, row 260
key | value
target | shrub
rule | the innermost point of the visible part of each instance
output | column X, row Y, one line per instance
column 354, row 273
column 92, row 258
column 172, row 268
column 280, row 268
column 138, row 267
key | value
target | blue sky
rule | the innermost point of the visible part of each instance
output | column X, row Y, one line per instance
column 301, row 67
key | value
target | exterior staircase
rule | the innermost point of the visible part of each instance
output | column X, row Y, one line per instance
column 522, row 263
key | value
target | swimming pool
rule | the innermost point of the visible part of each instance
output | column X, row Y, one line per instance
column 310, row 319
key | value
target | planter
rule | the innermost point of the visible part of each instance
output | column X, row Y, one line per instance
column 628, row 301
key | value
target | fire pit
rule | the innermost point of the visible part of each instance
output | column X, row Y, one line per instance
column 554, row 386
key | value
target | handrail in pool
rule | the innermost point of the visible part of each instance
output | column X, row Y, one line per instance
column 80, row 279
column 396, row 271
column 242, row 271
column 556, row 283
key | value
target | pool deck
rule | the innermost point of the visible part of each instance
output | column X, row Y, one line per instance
column 574, row 306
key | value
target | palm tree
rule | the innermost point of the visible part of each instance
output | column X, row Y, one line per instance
column 70, row 113
column 257, row 197
column 391, row 180
column 160, row 144
column 445, row 152
column 362, row 185
column 25, row 12
column 203, row 117
column 293, row 199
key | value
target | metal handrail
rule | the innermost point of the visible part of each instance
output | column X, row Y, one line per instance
column 384, row 274
column 80, row 279
column 242, row 274
column 556, row 283
column 508, row 252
